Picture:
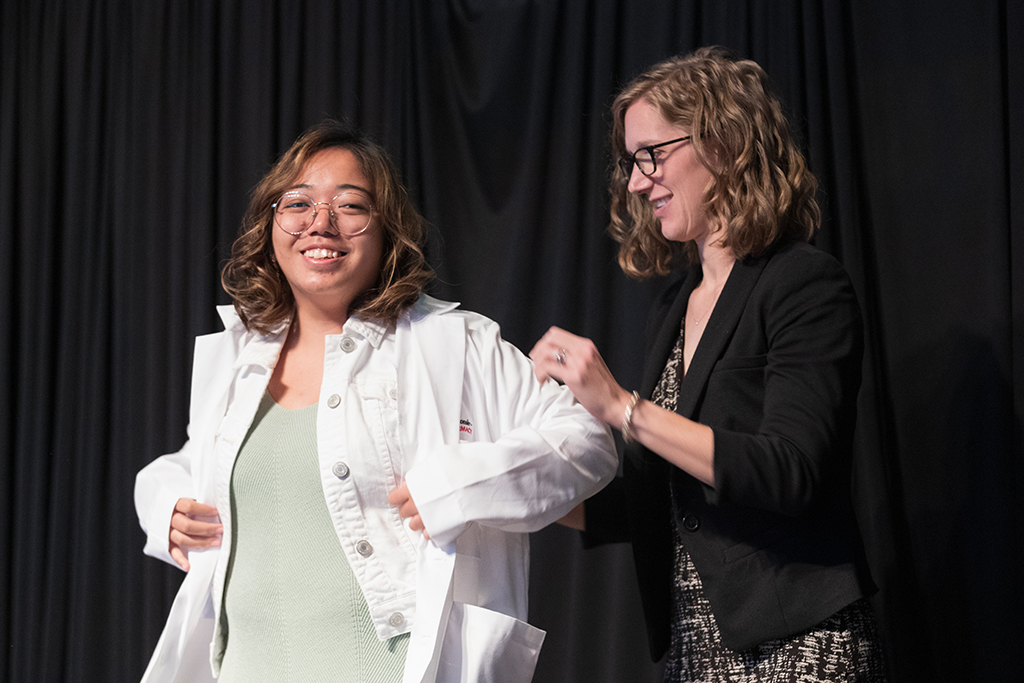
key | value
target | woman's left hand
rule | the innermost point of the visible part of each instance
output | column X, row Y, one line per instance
column 576, row 362
column 402, row 499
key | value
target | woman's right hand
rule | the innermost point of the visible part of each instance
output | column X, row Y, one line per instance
column 189, row 530
column 576, row 362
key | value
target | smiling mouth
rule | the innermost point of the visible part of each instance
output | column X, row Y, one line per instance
column 661, row 202
column 322, row 254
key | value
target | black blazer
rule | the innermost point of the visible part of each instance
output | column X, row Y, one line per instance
column 776, row 376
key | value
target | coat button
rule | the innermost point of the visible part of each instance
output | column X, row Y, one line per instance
column 691, row 523
column 340, row 470
column 364, row 548
column 396, row 619
column 348, row 345
column 333, row 401
column 393, row 394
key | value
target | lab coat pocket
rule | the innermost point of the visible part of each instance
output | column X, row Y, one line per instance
column 481, row 645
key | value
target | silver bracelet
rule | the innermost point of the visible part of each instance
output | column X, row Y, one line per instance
column 627, row 417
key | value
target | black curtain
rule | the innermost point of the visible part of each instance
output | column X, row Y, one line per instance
column 131, row 133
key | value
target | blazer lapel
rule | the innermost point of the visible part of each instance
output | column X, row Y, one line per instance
column 667, row 334
column 719, row 331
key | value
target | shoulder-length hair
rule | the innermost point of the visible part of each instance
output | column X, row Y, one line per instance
column 761, row 190
column 255, row 282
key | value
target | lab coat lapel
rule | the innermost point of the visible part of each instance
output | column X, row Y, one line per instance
column 431, row 351
column 431, row 363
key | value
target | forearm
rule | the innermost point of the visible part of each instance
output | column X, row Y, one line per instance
column 688, row 445
column 520, row 483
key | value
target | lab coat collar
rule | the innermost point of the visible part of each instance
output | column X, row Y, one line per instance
column 427, row 305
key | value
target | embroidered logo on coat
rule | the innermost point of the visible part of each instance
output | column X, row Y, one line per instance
column 465, row 427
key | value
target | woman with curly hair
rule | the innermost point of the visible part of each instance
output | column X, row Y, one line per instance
column 364, row 462
column 736, row 487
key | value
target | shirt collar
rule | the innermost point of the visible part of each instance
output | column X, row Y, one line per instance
column 264, row 351
column 370, row 330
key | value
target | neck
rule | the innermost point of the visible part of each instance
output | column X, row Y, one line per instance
column 716, row 262
column 315, row 322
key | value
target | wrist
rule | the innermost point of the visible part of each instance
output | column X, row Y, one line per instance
column 613, row 410
column 626, row 425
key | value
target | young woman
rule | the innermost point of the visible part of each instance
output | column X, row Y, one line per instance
column 364, row 462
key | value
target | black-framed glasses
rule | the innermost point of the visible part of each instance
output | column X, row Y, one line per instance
column 351, row 211
column 644, row 158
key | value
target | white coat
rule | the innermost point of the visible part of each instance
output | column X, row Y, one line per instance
column 535, row 453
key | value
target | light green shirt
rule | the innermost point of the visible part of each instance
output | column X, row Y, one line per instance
column 293, row 610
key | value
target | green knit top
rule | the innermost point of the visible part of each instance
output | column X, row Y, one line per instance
column 292, row 608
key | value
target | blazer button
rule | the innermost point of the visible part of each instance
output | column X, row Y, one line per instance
column 348, row 345
column 691, row 523
column 364, row 548
column 340, row 470
column 396, row 619
column 333, row 401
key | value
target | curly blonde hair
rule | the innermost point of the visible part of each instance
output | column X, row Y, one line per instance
column 256, row 284
column 761, row 190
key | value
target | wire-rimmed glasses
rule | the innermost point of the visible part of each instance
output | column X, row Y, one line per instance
column 351, row 212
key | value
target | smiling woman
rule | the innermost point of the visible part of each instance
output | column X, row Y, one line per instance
column 329, row 261
column 330, row 490
column 736, row 490
column 260, row 289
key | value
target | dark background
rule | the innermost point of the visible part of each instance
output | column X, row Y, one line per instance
column 131, row 133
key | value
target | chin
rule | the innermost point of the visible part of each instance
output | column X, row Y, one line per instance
column 673, row 234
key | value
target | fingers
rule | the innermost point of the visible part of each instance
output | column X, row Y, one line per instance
column 576, row 362
column 180, row 556
column 203, row 539
column 194, row 527
column 565, row 357
column 401, row 498
column 189, row 531
column 551, row 354
column 195, row 509
column 416, row 524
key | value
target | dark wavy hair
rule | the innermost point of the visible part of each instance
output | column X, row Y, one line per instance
column 262, row 295
column 761, row 190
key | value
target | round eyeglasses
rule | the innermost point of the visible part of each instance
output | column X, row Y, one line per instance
column 645, row 159
column 351, row 212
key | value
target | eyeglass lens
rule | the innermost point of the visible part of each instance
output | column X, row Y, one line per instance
column 642, row 158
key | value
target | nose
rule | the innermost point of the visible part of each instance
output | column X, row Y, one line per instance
column 323, row 220
column 638, row 182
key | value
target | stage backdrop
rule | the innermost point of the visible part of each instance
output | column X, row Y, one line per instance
column 131, row 133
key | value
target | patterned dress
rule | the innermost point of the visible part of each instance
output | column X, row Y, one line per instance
column 844, row 647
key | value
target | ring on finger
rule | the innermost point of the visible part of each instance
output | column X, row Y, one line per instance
column 560, row 356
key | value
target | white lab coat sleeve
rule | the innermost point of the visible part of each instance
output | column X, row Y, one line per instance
column 535, row 452
column 158, row 486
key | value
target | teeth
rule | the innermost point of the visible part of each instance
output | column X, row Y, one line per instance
column 321, row 253
column 660, row 203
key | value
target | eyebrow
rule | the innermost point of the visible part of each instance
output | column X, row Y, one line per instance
column 340, row 188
